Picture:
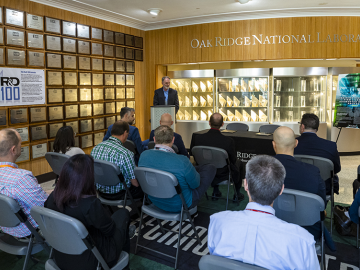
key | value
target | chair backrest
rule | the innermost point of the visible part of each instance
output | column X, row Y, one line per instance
column 238, row 126
column 268, row 128
column 325, row 165
column 299, row 207
column 106, row 173
column 56, row 161
column 212, row 262
column 8, row 209
column 130, row 145
column 210, row 155
column 156, row 183
column 151, row 145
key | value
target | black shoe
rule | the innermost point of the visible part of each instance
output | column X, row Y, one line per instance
column 239, row 198
column 216, row 196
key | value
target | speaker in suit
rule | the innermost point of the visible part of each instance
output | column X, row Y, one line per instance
column 172, row 99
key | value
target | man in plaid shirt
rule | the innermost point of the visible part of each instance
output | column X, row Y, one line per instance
column 16, row 183
column 112, row 150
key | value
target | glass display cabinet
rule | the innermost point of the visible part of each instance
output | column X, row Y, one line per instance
column 297, row 91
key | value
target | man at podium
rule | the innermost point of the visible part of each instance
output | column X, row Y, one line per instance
column 166, row 95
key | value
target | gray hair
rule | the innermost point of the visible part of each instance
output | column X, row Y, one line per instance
column 164, row 134
column 125, row 110
column 9, row 139
column 265, row 176
column 165, row 77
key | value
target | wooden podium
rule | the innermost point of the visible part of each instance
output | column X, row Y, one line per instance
column 157, row 111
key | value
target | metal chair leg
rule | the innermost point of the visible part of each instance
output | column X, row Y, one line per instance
column 28, row 253
column 322, row 260
column 139, row 232
column 179, row 237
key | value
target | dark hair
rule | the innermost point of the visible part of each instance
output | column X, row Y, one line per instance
column 125, row 110
column 64, row 139
column 120, row 127
column 216, row 120
column 10, row 139
column 163, row 134
column 310, row 121
column 76, row 181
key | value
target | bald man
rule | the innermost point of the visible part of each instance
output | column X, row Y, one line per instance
column 166, row 120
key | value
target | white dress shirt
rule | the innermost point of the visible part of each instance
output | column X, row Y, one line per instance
column 261, row 239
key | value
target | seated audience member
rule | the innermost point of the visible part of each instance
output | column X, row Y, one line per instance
column 75, row 196
column 194, row 181
column 214, row 138
column 166, row 120
column 65, row 142
column 19, row 184
column 354, row 208
column 112, row 150
column 261, row 238
column 311, row 144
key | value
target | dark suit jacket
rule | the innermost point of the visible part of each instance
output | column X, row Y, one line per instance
column 178, row 142
column 173, row 99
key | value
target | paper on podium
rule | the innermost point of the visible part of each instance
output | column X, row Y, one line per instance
column 180, row 115
column 254, row 116
column 195, row 87
column 223, row 115
column 254, row 101
column 209, row 86
column 236, row 102
column 243, row 86
column 203, row 115
column 202, row 87
column 209, row 100
column 247, row 102
column 262, row 116
column 195, row 102
column 238, row 116
column 187, row 102
column 262, row 101
column 187, row 115
column 195, row 116
column 202, row 102
column 187, row 87
column 246, row 116
column 230, row 115
column 222, row 101
column 229, row 101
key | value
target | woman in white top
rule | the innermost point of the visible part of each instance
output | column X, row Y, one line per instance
column 65, row 142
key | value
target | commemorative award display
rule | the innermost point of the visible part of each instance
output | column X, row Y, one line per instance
column 130, row 67
column 85, row 78
column 1, row 35
column 86, row 141
column 53, row 129
column 18, row 116
column 98, row 137
column 35, row 41
column 110, row 107
column 138, row 42
column 16, row 57
column 109, row 79
column 37, row 114
column 108, row 36
column 97, row 64
column 84, row 63
column 54, row 78
column 119, row 105
column 56, row 113
column 70, row 78
column 85, row 94
column 54, row 95
column 85, row 110
column 120, row 38
column 39, row 150
column 109, row 121
column 129, row 40
column 120, row 79
column 108, row 51
column 130, row 92
column 69, row 45
column 53, row 60
column 53, row 43
column 83, row 47
column 38, row 133
column 3, row 117
column 85, row 125
column 120, row 93
column 25, row 154
column 108, row 65
column 36, row 59
column 120, row 52
column 98, row 93
column 130, row 79
column 129, row 53
column 96, row 49
column 96, row 33
column 139, row 55
column 83, row 31
column 69, row 28
column 15, row 37
column 74, row 125
column 120, row 66
column 69, row 61
column 109, row 93
column 2, row 56
column 71, row 95
column 71, row 111
column 98, row 123
column 98, row 108
column 34, row 22
column 24, row 134
column 14, row 17
column 98, row 79
column 52, row 25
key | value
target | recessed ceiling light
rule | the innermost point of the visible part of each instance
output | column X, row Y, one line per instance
column 154, row 11
column 244, row 1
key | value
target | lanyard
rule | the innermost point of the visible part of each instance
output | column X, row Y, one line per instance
column 254, row 210
column 10, row 166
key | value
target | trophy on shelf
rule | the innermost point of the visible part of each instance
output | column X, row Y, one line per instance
column 202, row 101
column 187, row 101
column 209, row 86
column 247, row 102
column 316, row 100
column 290, row 116
column 237, row 88
column 195, row 102
column 236, row 102
column 209, row 100
column 238, row 116
column 173, row 85
column 302, row 101
column 303, row 86
column 254, row 116
column 180, row 101
column 254, row 101
column 262, row 116
column 180, row 86
column 314, row 86
column 187, row 87
column 222, row 101
column 203, row 87
column 223, row 115
column 257, row 85
column 196, row 116
column 180, row 115
column 277, row 101
column 230, row 115
column 203, row 115
column 262, row 101
column 278, row 85
column 252, row 85
column 277, row 116
column 246, row 116
column 231, row 86
column 243, row 85
column 229, row 101
column 195, row 87
column 187, row 115
column 291, row 101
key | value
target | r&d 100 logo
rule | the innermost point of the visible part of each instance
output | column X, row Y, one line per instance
column 10, row 89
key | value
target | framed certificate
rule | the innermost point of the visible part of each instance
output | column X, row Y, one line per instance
column 37, row 114
column 109, row 121
column 71, row 111
column 83, row 31
column 69, row 28
column 53, row 60
column 120, row 93
column 1, row 34
column 25, row 154
column 120, row 38
column 38, row 150
column 53, row 129
column 109, row 79
column 70, row 78
column 53, row 43
column 109, row 93
column 15, row 37
column 108, row 50
column 14, row 17
column 55, row 95
column 18, row 116
column 109, row 107
column 99, row 123
column 84, row 63
column 56, row 113
column 98, row 137
column 97, row 64
column 35, row 41
column 83, row 47
column 52, row 25
column 130, row 92
column 98, row 109
column 85, row 110
column 3, row 117
column 120, row 66
column 84, row 78
column 108, row 65
column 24, row 133
column 85, row 94
column 2, row 57
column 71, row 95
column 119, row 105
column 38, row 133
column 74, row 125
column 86, row 141
column 96, row 49
column 138, row 55
column 120, row 79
column 86, row 126
column 36, row 59
column 69, row 61
column 15, row 57
column 98, row 93
column 54, row 78
column 119, row 52
column 130, row 79
column 129, row 40
column 130, row 66
column 108, row 36
column 138, row 42
column 34, row 22
column 77, row 142
column 69, row 45
column 98, row 79
column 130, row 104
column 96, row 33
column 129, row 53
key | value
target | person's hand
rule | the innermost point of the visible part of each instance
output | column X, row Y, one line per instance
column 134, row 182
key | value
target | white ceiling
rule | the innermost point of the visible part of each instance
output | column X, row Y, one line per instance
column 133, row 13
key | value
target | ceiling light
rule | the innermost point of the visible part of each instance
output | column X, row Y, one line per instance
column 243, row 1
column 154, row 11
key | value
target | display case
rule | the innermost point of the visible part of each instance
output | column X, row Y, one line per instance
column 297, row 91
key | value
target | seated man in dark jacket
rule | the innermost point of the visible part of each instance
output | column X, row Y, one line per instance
column 214, row 138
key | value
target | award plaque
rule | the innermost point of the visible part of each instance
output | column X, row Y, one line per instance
column 119, row 52
column 74, row 125
column 98, row 94
column 96, row 49
column 139, row 55
column 83, row 47
column 54, row 95
column 98, row 137
column 77, row 144
column 84, row 63
column 15, row 37
column 14, row 17
column 39, row 150
column 2, row 57
column 130, row 67
column 120, row 38
column 85, row 125
column 138, row 42
column 56, row 113
column 38, row 133
column 129, row 40
column 97, row 64
column 52, row 25
column 69, row 61
column 18, row 116
column 96, row 33
column 1, row 34
column 35, row 41
column 129, row 53
column 53, row 129
column 69, row 45
column 108, row 65
column 36, row 59
column 70, row 78
column 71, row 111
column 98, row 109
column 119, row 105
column 85, row 94
column 130, row 79
column 109, row 93
column 83, row 31
column 120, row 93
column 24, row 134
column 3, row 117
column 87, row 141
column 130, row 104
column 53, row 43
column 37, row 114
column 120, row 66
column 108, row 36
column 109, row 107
column 54, row 78
column 120, row 79
column 108, row 51
column 99, row 123
column 130, row 92
column 34, row 22
column 85, row 78
column 97, row 79
column 25, row 154
column 85, row 110
column 69, row 28
column 16, row 57
column 53, row 60
column 71, row 95
column 110, row 121
column 109, row 79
